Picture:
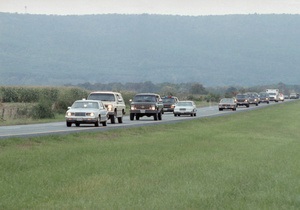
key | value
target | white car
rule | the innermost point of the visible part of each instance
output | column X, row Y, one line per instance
column 185, row 108
column 86, row 112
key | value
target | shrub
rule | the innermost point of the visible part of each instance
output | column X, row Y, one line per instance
column 42, row 110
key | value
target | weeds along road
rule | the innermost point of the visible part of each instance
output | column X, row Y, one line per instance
column 61, row 128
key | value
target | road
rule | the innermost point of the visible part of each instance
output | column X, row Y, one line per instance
column 61, row 128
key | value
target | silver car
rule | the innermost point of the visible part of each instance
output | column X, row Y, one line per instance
column 86, row 112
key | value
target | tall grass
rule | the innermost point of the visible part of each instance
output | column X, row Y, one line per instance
column 243, row 161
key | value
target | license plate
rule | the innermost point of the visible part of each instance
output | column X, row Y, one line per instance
column 142, row 111
column 79, row 119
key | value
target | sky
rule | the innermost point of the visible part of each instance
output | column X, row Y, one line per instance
column 166, row 7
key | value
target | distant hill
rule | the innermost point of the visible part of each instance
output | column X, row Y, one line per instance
column 212, row 50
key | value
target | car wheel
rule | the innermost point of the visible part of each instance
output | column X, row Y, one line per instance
column 131, row 116
column 195, row 114
column 160, row 116
column 69, row 124
column 256, row 104
column 120, row 119
column 220, row 109
column 247, row 106
column 97, row 123
column 77, row 124
column 175, row 115
column 137, row 117
column 104, row 123
column 155, row 116
column 112, row 119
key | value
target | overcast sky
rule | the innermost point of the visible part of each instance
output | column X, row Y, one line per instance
column 174, row 7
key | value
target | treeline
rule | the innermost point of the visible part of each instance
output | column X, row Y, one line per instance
column 47, row 100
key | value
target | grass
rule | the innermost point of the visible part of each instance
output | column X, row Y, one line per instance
column 243, row 161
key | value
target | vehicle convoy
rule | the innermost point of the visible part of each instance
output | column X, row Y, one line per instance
column 146, row 104
column 169, row 103
column 242, row 100
column 113, row 102
column 227, row 103
column 274, row 94
column 86, row 112
column 264, row 97
column 185, row 108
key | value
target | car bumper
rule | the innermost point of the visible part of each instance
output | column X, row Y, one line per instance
column 81, row 120
column 168, row 109
column 227, row 107
column 143, row 111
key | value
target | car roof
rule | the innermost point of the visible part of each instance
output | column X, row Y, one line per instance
column 146, row 94
column 110, row 92
column 87, row 100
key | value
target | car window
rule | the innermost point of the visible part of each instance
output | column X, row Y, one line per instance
column 102, row 97
column 82, row 105
column 144, row 98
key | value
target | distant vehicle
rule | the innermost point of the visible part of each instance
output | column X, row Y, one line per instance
column 113, row 102
column 185, row 108
column 146, row 104
column 253, row 98
column 281, row 97
column 227, row 103
column 242, row 100
column 274, row 94
column 264, row 97
column 293, row 96
column 86, row 112
column 286, row 97
column 169, row 103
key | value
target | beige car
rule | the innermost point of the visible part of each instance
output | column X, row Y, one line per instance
column 113, row 102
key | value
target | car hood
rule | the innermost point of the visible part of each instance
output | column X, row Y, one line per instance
column 83, row 110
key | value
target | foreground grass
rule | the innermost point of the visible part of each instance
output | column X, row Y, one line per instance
column 243, row 161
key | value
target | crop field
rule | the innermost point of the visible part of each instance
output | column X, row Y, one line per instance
column 248, row 160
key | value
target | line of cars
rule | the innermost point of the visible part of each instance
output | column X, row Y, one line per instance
column 100, row 106
column 246, row 99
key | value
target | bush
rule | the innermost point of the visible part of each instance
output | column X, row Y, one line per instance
column 42, row 110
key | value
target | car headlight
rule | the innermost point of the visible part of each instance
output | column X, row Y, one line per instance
column 110, row 107
column 91, row 114
column 132, row 107
column 152, row 107
column 70, row 114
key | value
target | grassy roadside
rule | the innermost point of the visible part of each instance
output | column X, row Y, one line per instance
column 243, row 161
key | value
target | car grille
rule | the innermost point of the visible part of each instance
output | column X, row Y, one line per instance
column 143, row 106
column 167, row 106
column 80, row 114
column 182, row 109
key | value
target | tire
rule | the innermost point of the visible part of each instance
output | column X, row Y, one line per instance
column 195, row 114
column 131, row 116
column 175, row 115
column 247, row 106
column 137, row 117
column 155, row 116
column 220, row 109
column 234, row 109
column 192, row 114
column 77, row 124
column 68, row 124
column 112, row 119
column 256, row 104
column 104, row 123
column 160, row 116
column 120, row 119
column 97, row 123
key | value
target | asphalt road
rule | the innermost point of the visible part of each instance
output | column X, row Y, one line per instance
column 61, row 128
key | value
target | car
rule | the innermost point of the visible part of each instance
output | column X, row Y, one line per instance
column 114, row 103
column 169, row 103
column 185, row 108
column 227, row 103
column 146, row 104
column 242, row 100
column 86, row 112
column 293, row 96
column 281, row 97
column 253, row 98
column 264, row 97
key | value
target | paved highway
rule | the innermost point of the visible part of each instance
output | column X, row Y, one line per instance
column 61, row 128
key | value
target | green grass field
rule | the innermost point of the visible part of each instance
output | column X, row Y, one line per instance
column 247, row 160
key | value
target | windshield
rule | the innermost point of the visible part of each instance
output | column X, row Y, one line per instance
column 241, row 96
column 272, row 94
column 102, row 97
column 144, row 98
column 168, row 100
column 184, row 103
column 227, row 100
column 80, row 105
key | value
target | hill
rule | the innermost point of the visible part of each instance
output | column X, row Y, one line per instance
column 212, row 50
